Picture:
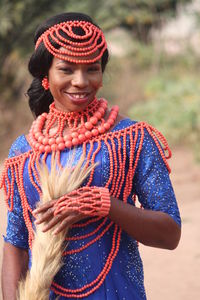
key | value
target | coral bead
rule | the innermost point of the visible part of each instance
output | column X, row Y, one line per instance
column 42, row 148
column 68, row 144
column 45, row 141
column 88, row 134
column 101, row 129
column 94, row 120
column 40, row 139
column 115, row 108
column 106, row 126
column 47, row 148
column 95, row 132
column 75, row 141
column 59, row 140
column 111, row 121
column 37, row 134
column 82, row 130
column 82, row 137
column 98, row 115
column 37, row 146
column 88, row 125
column 52, row 141
column 102, row 110
column 61, row 146
column 53, row 147
column 67, row 138
column 74, row 135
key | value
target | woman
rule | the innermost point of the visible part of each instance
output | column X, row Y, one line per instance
column 102, row 259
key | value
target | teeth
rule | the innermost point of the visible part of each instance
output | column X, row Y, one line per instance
column 79, row 96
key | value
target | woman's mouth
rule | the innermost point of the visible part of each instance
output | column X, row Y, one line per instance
column 78, row 97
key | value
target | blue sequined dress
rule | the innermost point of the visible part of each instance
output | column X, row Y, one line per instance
column 124, row 281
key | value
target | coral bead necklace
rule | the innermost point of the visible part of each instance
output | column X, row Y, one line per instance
column 83, row 126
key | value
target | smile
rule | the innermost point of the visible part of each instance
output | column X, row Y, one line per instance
column 78, row 95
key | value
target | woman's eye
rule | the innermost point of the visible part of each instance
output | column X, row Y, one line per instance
column 66, row 70
column 93, row 69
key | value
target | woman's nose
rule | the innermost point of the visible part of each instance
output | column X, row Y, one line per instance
column 80, row 79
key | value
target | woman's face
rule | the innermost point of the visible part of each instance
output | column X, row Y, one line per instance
column 73, row 86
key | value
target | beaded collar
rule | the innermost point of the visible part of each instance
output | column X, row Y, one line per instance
column 83, row 126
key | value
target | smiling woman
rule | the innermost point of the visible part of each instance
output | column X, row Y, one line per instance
column 126, row 159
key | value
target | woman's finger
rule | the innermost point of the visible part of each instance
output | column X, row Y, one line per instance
column 43, row 207
column 44, row 217
column 55, row 220
column 67, row 222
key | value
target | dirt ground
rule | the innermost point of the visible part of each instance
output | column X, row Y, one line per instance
column 170, row 275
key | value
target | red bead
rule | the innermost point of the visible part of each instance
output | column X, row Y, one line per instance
column 95, row 132
column 94, row 120
column 98, row 115
column 67, row 138
column 88, row 134
column 101, row 129
column 82, row 130
column 52, row 141
column 74, row 134
column 111, row 121
column 82, row 137
column 61, row 146
column 102, row 110
column 47, row 148
column 75, row 141
column 40, row 139
column 88, row 125
column 59, row 140
column 68, row 144
column 37, row 135
column 104, row 105
column 106, row 126
column 53, row 147
column 37, row 146
column 115, row 108
column 41, row 148
column 45, row 141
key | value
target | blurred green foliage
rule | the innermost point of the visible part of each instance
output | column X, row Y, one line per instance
column 171, row 102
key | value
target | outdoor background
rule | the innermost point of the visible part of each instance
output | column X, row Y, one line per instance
column 154, row 76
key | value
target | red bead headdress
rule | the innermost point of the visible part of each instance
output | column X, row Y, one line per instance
column 62, row 41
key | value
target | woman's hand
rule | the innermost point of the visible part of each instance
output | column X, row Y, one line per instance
column 73, row 207
column 45, row 214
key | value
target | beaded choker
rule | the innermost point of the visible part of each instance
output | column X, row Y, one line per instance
column 83, row 126
column 62, row 41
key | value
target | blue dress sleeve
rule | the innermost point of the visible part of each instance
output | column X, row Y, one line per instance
column 16, row 231
column 152, row 183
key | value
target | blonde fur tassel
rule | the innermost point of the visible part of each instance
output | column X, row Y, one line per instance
column 48, row 248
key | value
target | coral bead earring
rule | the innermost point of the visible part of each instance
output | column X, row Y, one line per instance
column 45, row 83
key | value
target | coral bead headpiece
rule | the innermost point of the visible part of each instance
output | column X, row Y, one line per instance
column 63, row 42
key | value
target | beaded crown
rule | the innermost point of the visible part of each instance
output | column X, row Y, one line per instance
column 63, row 42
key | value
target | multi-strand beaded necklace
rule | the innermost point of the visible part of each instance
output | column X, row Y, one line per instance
column 87, row 128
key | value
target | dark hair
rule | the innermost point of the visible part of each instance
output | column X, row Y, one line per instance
column 41, row 60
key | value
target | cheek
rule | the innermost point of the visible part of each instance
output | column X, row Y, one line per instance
column 97, row 81
column 57, row 82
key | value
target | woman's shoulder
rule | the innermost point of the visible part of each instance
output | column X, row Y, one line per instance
column 123, row 122
column 19, row 146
